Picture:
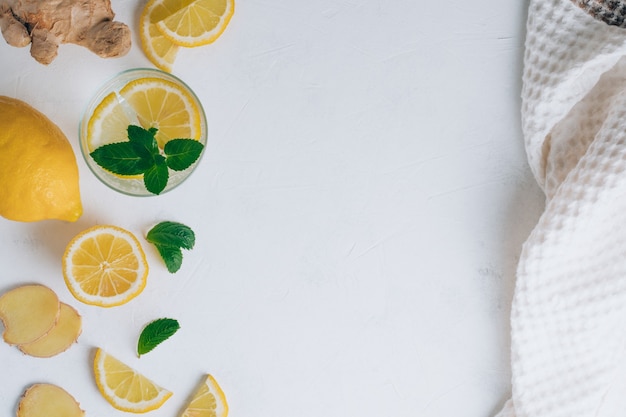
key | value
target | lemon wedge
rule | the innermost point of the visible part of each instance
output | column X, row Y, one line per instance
column 124, row 388
column 208, row 401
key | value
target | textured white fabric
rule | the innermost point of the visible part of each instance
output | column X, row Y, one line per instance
column 568, row 319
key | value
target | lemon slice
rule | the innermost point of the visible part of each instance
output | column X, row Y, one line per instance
column 197, row 22
column 108, row 124
column 112, row 124
column 124, row 388
column 149, row 102
column 165, row 105
column 208, row 401
column 105, row 266
column 159, row 49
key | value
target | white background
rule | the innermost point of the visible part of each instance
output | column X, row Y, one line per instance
column 359, row 213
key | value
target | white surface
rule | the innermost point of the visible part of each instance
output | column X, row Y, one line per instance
column 359, row 213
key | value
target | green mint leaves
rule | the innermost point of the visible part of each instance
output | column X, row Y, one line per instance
column 141, row 155
column 169, row 238
column 155, row 333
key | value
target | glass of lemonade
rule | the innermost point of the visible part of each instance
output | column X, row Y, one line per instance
column 149, row 98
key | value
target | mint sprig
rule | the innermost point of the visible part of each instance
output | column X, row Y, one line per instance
column 141, row 155
column 155, row 333
column 169, row 238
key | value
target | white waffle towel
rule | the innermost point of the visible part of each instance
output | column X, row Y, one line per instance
column 568, row 318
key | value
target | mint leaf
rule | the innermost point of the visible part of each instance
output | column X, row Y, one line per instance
column 155, row 178
column 139, row 135
column 169, row 238
column 174, row 234
column 172, row 256
column 181, row 153
column 123, row 158
column 155, row 333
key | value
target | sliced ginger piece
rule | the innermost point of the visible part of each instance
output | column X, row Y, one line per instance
column 47, row 400
column 207, row 401
column 63, row 335
column 28, row 312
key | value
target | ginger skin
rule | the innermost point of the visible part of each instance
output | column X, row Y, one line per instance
column 45, row 24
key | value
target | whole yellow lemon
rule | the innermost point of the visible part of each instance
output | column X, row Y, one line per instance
column 38, row 171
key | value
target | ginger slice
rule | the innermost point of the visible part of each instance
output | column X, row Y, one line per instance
column 28, row 312
column 59, row 338
column 47, row 400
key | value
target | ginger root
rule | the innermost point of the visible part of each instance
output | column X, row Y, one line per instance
column 45, row 24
